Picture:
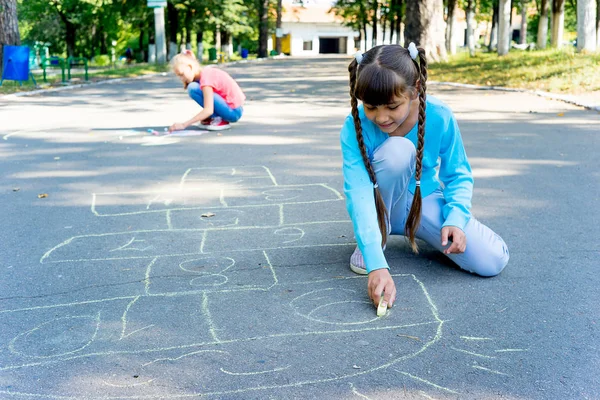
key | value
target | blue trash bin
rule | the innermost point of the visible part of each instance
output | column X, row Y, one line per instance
column 244, row 53
column 15, row 63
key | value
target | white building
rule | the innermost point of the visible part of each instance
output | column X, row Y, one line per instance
column 309, row 29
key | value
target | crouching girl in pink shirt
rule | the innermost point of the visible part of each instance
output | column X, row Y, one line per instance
column 213, row 89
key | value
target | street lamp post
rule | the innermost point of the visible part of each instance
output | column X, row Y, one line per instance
column 159, row 28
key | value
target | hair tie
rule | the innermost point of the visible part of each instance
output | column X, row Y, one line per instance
column 359, row 57
column 418, row 183
column 413, row 51
column 376, row 185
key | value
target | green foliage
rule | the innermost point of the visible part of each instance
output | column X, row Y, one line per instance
column 562, row 70
column 101, row 60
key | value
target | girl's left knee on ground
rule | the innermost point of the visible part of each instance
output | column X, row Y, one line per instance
column 492, row 264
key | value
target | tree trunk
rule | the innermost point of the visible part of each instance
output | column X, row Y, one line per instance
column 188, row 28
column 141, row 49
column 586, row 25
column 558, row 22
column 597, row 24
column 71, row 36
column 374, row 22
column 470, row 28
column 9, row 27
column 392, row 20
column 504, row 33
column 450, row 43
column 542, row 35
column 523, row 33
column 424, row 26
column 278, row 27
column 494, row 31
column 383, row 26
column 263, row 29
column 399, row 21
column 199, row 45
column 173, row 21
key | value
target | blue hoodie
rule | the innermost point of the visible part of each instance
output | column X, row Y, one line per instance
column 443, row 148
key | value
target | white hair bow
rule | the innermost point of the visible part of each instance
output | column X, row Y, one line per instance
column 359, row 57
column 412, row 49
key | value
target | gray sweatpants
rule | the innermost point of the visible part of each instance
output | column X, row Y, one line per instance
column 394, row 163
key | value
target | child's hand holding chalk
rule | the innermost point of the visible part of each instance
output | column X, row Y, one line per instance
column 381, row 289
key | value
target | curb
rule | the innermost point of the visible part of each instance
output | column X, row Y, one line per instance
column 553, row 96
column 115, row 80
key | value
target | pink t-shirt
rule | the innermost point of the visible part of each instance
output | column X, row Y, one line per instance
column 224, row 85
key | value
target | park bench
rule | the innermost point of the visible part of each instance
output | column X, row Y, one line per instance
column 77, row 62
column 53, row 62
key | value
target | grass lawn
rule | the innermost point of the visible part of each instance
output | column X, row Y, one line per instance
column 95, row 74
column 558, row 71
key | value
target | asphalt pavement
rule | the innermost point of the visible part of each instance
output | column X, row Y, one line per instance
column 215, row 265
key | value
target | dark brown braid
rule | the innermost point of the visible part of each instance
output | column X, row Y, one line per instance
column 414, row 216
column 382, row 214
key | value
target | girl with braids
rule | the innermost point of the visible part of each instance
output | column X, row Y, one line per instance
column 391, row 147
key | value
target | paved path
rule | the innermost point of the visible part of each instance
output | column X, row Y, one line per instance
column 217, row 265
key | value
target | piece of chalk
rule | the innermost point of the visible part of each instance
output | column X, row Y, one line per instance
column 381, row 308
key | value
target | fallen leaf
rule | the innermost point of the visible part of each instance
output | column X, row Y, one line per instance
column 42, row 195
column 208, row 215
column 561, row 114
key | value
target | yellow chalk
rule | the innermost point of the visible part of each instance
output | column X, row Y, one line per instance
column 382, row 307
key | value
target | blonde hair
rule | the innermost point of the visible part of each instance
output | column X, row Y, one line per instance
column 185, row 57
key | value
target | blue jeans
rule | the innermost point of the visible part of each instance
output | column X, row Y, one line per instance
column 394, row 164
column 221, row 108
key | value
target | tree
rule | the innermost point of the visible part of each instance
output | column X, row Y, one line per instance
column 523, row 32
column 375, row 17
column 263, row 28
column 558, row 22
column 9, row 27
column 504, row 27
column 471, row 27
column 586, row 25
column 278, row 26
column 450, row 19
column 598, row 24
column 354, row 14
column 542, row 34
column 424, row 26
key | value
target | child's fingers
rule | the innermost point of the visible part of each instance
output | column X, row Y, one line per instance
column 445, row 231
column 390, row 294
column 454, row 248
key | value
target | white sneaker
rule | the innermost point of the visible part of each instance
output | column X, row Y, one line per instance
column 357, row 263
column 218, row 124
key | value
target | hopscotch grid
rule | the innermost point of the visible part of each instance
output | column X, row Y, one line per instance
column 205, row 292
column 243, row 340
column 215, row 208
column 204, row 253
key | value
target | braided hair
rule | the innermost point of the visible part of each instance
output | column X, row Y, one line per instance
column 384, row 72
